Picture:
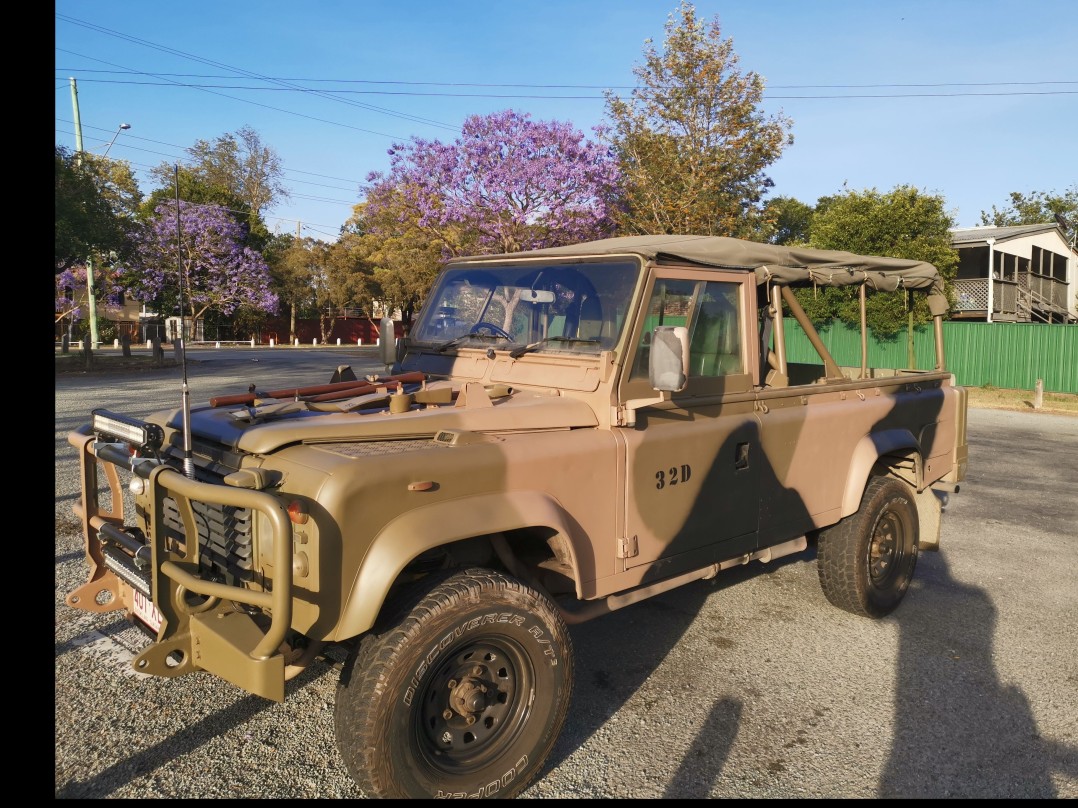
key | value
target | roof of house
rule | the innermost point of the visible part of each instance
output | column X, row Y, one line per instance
column 978, row 235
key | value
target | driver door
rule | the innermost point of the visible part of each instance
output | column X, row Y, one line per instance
column 691, row 471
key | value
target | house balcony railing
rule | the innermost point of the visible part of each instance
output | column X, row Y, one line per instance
column 1031, row 297
column 971, row 294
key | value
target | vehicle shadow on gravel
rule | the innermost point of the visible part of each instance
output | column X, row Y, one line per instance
column 187, row 740
column 151, row 758
column 959, row 731
column 616, row 655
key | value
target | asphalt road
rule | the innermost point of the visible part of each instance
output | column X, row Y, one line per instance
column 750, row 685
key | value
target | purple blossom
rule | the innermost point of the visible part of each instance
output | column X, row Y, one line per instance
column 107, row 288
column 219, row 272
column 515, row 183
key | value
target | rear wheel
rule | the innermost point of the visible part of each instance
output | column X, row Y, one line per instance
column 866, row 561
column 462, row 696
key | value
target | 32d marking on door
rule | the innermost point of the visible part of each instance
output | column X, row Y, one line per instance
column 673, row 475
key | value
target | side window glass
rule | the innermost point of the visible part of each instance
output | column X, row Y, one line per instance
column 670, row 304
column 715, row 341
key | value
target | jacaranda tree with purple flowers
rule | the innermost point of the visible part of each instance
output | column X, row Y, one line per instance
column 508, row 183
column 108, row 285
column 219, row 273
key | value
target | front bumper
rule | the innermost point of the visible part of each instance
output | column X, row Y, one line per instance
column 236, row 632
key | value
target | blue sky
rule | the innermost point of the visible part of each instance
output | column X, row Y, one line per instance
column 968, row 100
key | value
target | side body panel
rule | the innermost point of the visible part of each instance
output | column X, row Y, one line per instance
column 691, row 473
column 374, row 514
column 822, row 444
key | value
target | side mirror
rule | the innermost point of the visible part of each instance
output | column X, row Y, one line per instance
column 668, row 361
column 387, row 341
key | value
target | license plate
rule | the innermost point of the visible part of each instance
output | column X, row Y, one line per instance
column 145, row 610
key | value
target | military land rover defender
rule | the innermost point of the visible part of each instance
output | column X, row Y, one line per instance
column 562, row 433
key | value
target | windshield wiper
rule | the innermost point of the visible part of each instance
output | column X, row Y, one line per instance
column 535, row 346
column 459, row 339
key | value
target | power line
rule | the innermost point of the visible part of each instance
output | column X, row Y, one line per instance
column 323, row 232
column 267, row 106
column 149, row 168
column 248, row 213
column 325, row 93
column 242, row 71
column 595, row 86
column 173, row 158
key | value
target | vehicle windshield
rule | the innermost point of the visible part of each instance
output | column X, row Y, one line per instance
column 559, row 307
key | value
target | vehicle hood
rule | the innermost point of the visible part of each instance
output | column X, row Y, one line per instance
column 518, row 411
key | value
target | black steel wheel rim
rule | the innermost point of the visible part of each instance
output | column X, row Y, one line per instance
column 885, row 547
column 474, row 703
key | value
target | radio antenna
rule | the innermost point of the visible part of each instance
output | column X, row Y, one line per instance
column 188, row 461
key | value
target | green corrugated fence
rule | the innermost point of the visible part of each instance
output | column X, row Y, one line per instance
column 1007, row 355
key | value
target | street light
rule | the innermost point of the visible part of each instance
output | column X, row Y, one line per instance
column 119, row 129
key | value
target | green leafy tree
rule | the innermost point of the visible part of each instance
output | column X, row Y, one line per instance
column 402, row 255
column 693, row 142
column 1037, row 207
column 902, row 223
column 290, row 269
column 286, row 277
column 352, row 279
column 317, row 279
column 314, row 255
column 237, row 171
column 96, row 201
column 196, row 190
column 788, row 220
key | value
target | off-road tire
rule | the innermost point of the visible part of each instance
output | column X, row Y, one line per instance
column 866, row 561
column 461, row 695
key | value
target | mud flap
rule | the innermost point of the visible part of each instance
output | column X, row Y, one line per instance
column 929, row 510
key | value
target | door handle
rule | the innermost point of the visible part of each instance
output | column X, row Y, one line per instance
column 741, row 456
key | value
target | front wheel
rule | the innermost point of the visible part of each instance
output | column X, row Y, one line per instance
column 866, row 561
column 463, row 696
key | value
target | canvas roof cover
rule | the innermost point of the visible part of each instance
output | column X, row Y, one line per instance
column 785, row 265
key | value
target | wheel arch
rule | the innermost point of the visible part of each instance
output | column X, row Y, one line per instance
column 405, row 538
column 892, row 451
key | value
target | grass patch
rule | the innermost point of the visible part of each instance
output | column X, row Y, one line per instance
column 112, row 362
column 994, row 398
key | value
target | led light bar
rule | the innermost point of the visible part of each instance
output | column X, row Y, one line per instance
column 133, row 431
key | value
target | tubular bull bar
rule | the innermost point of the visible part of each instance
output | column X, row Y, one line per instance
column 210, row 635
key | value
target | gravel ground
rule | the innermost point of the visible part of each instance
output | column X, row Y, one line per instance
column 750, row 685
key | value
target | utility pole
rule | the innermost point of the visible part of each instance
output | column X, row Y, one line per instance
column 91, row 299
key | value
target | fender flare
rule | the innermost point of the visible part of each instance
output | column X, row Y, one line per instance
column 421, row 529
column 865, row 454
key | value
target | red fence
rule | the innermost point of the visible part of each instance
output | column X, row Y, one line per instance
column 349, row 330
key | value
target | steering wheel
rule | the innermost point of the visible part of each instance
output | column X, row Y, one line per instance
column 497, row 331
